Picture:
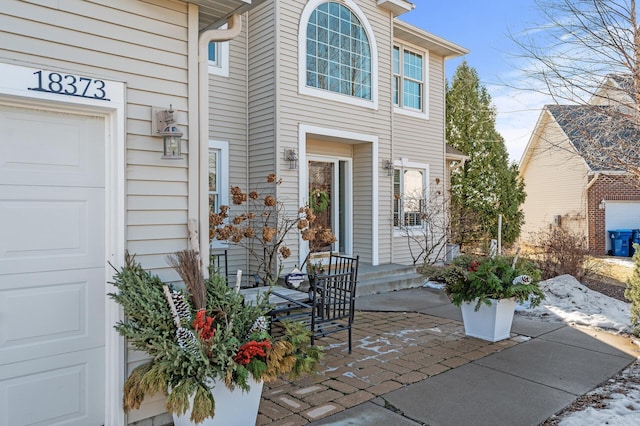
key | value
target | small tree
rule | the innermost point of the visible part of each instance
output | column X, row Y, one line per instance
column 486, row 186
column 632, row 292
column 263, row 226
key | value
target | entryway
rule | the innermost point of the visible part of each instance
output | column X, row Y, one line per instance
column 329, row 196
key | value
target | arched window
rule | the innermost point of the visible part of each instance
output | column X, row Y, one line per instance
column 338, row 52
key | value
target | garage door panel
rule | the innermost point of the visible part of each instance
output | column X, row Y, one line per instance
column 50, row 148
column 45, row 314
column 60, row 390
column 50, row 228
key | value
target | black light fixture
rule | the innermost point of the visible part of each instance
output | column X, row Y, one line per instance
column 388, row 166
column 291, row 155
column 171, row 135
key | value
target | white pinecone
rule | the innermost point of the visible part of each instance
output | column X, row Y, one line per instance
column 261, row 324
column 187, row 340
column 184, row 312
column 522, row 279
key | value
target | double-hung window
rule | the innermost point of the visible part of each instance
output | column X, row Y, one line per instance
column 409, row 75
column 409, row 197
column 218, row 180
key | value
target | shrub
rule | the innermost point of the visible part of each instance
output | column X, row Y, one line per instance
column 470, row 278
column 560, row 251
column 632, row 292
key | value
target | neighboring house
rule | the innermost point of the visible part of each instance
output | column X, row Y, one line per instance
column 570, row 179
column 356, row 94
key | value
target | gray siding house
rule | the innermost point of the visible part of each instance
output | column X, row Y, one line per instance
column 355, row 93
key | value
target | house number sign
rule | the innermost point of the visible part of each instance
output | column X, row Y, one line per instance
column 70, row 85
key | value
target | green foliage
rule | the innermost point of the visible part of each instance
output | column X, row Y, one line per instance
column 632, row 292
column 486, row 185
column 470, row 278
column 184, row 373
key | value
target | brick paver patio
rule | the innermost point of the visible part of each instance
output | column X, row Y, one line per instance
column 390, row 350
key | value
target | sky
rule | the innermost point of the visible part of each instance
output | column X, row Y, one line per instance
column 482, row 27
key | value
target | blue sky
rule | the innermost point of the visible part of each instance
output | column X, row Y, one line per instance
column 482, row 27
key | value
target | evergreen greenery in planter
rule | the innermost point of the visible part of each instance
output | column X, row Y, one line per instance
column 199, row 334
column 475, row 278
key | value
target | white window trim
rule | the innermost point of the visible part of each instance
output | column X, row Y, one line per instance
column 303, row 89
column 223, row 192
column 404, row 163
column 410, row 112
column 221, row 66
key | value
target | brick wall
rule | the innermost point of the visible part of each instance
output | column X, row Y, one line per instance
column 609, row 188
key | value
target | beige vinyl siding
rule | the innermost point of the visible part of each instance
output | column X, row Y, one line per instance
column 228, row 122
column 262, row 127
column 555, row 181
column 295, row 109
column 144, row 45
column 421, row 141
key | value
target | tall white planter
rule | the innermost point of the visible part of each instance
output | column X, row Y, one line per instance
column 490, row 323
column 233, row 408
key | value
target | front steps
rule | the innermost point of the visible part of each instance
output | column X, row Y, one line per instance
column 386, row 278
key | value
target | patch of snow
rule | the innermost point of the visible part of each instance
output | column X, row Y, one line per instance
column 569, row 301
column 434, row 284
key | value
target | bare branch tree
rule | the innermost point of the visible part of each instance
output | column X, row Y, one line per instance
column 427, row 227
column 587, row 53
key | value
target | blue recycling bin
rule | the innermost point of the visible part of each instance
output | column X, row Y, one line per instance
column 635, row 239
column 620, row 239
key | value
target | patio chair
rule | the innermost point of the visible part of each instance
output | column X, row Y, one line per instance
column 339, row 264
column 218, row 263
column 333, row 299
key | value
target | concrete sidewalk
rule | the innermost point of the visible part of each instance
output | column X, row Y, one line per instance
column 544, row 367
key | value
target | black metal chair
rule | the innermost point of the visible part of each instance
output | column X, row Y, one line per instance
column 333, row 300
column 218, row 263
column 339, row 264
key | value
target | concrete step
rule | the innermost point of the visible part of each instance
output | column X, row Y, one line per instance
column 386, row 278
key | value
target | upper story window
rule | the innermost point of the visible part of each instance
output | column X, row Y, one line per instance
column 409, row 76
column 337, row 51
column 218, row 56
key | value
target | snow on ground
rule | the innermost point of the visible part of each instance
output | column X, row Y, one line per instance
column 566, row 299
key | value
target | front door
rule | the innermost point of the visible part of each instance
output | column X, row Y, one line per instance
column 329, row 192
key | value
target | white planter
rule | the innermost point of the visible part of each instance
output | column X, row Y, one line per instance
column 233, row 408
column 490, row 323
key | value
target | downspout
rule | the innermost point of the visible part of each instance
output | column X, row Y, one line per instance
column 234, row 27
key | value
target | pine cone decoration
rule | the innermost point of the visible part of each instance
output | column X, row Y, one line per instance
column 187, row 340
column 522, row 279
column 184, row 312
column 261, row 324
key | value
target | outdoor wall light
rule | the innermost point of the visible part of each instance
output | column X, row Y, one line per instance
column 172, row 136
column 291, row 155
column 603, row 204
column 388, row 166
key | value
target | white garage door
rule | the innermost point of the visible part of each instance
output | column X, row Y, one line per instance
column 52, row 289
column 621, row 215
